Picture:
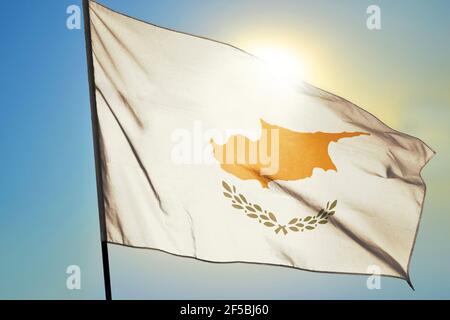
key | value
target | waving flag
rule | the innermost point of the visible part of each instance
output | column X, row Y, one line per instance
column 204, row 152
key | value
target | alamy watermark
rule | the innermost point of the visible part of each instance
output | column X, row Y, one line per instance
column 374, row 281
column 229, row 147
column 73, row 281
column 73, row 21
column 373, row 21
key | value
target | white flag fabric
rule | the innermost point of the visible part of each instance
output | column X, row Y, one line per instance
column 207, row 153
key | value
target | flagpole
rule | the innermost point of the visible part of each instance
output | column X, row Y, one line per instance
column 98, row 165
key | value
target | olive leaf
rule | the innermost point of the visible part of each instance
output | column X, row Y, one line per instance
column 243, row 198
column 321, row 212
column 333, row 204
column 257, row 207
column 272, row 216
column 226, row 186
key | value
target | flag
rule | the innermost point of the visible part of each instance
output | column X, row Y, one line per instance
column 206, row 152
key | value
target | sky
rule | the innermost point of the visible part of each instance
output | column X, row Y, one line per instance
column 48, row 204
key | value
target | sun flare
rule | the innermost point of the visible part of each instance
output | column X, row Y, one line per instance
column 281, row 61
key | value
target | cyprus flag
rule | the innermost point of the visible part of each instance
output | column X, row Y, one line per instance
column 205, row 152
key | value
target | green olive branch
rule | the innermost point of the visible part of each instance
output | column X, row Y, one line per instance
column 269, row 219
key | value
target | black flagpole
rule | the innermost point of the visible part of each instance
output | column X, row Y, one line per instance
column 95, row 132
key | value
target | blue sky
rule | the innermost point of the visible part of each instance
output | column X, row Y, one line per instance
column 48, row 205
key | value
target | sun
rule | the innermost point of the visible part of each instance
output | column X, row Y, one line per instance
column 281, row 61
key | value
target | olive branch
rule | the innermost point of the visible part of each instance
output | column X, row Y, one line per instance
column 269, row 219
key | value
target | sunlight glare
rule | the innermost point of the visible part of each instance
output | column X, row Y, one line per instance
column 281, row 62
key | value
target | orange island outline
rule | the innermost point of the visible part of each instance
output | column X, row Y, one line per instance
column 298, row 154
